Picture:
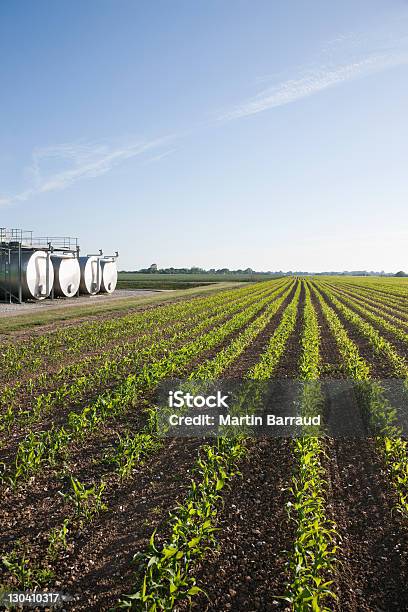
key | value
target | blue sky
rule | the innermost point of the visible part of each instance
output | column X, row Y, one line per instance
column 213, row 133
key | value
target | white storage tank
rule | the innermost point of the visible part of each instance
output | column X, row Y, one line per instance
column 37, row 274
column 109, row 275
column 67, row 275
column 90, row 283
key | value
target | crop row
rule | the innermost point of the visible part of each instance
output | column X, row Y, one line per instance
column 314, row 552
column 379, row 290
column 270, row 358
column 166, row 569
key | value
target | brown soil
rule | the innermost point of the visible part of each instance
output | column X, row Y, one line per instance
column 249, row 569
column 373, row 564
column 288, row 366
column 331, row 364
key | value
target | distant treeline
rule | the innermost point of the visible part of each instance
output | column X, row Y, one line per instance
column 153, row 269
column 198, row 271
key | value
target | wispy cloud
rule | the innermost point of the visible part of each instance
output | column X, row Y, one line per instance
column 160, row 156
column 313, row 80
column 57, row 167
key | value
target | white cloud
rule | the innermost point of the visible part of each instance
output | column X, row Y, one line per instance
column 313, row 80
column 74, row 162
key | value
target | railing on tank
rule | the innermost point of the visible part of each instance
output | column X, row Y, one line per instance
column 13, row 241
column 57, row 243
column 15, row 235
column 10, row 242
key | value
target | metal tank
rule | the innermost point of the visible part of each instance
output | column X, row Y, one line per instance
column 35, row 272
column 109, row 277
column 90, row 267
column 67, row 275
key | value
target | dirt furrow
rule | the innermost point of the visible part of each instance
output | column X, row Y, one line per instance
column 373, row 569
column 249, row 569
column 288, row 366
column 251, row 355
column 379, row 365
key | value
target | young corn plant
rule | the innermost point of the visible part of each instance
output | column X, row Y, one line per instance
column 19, row 568
column 87, row 501
column 23, row 573
column 131, row 452
column 57, row 539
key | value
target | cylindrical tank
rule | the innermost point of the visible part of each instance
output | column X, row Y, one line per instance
column 67, row 275
column 90, row 275
column 109, row 276
column 37, row 274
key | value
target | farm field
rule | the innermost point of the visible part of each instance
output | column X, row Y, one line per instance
column 140, row 280
column 97, row 505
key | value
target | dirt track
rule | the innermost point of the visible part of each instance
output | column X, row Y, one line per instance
column 14, row 310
